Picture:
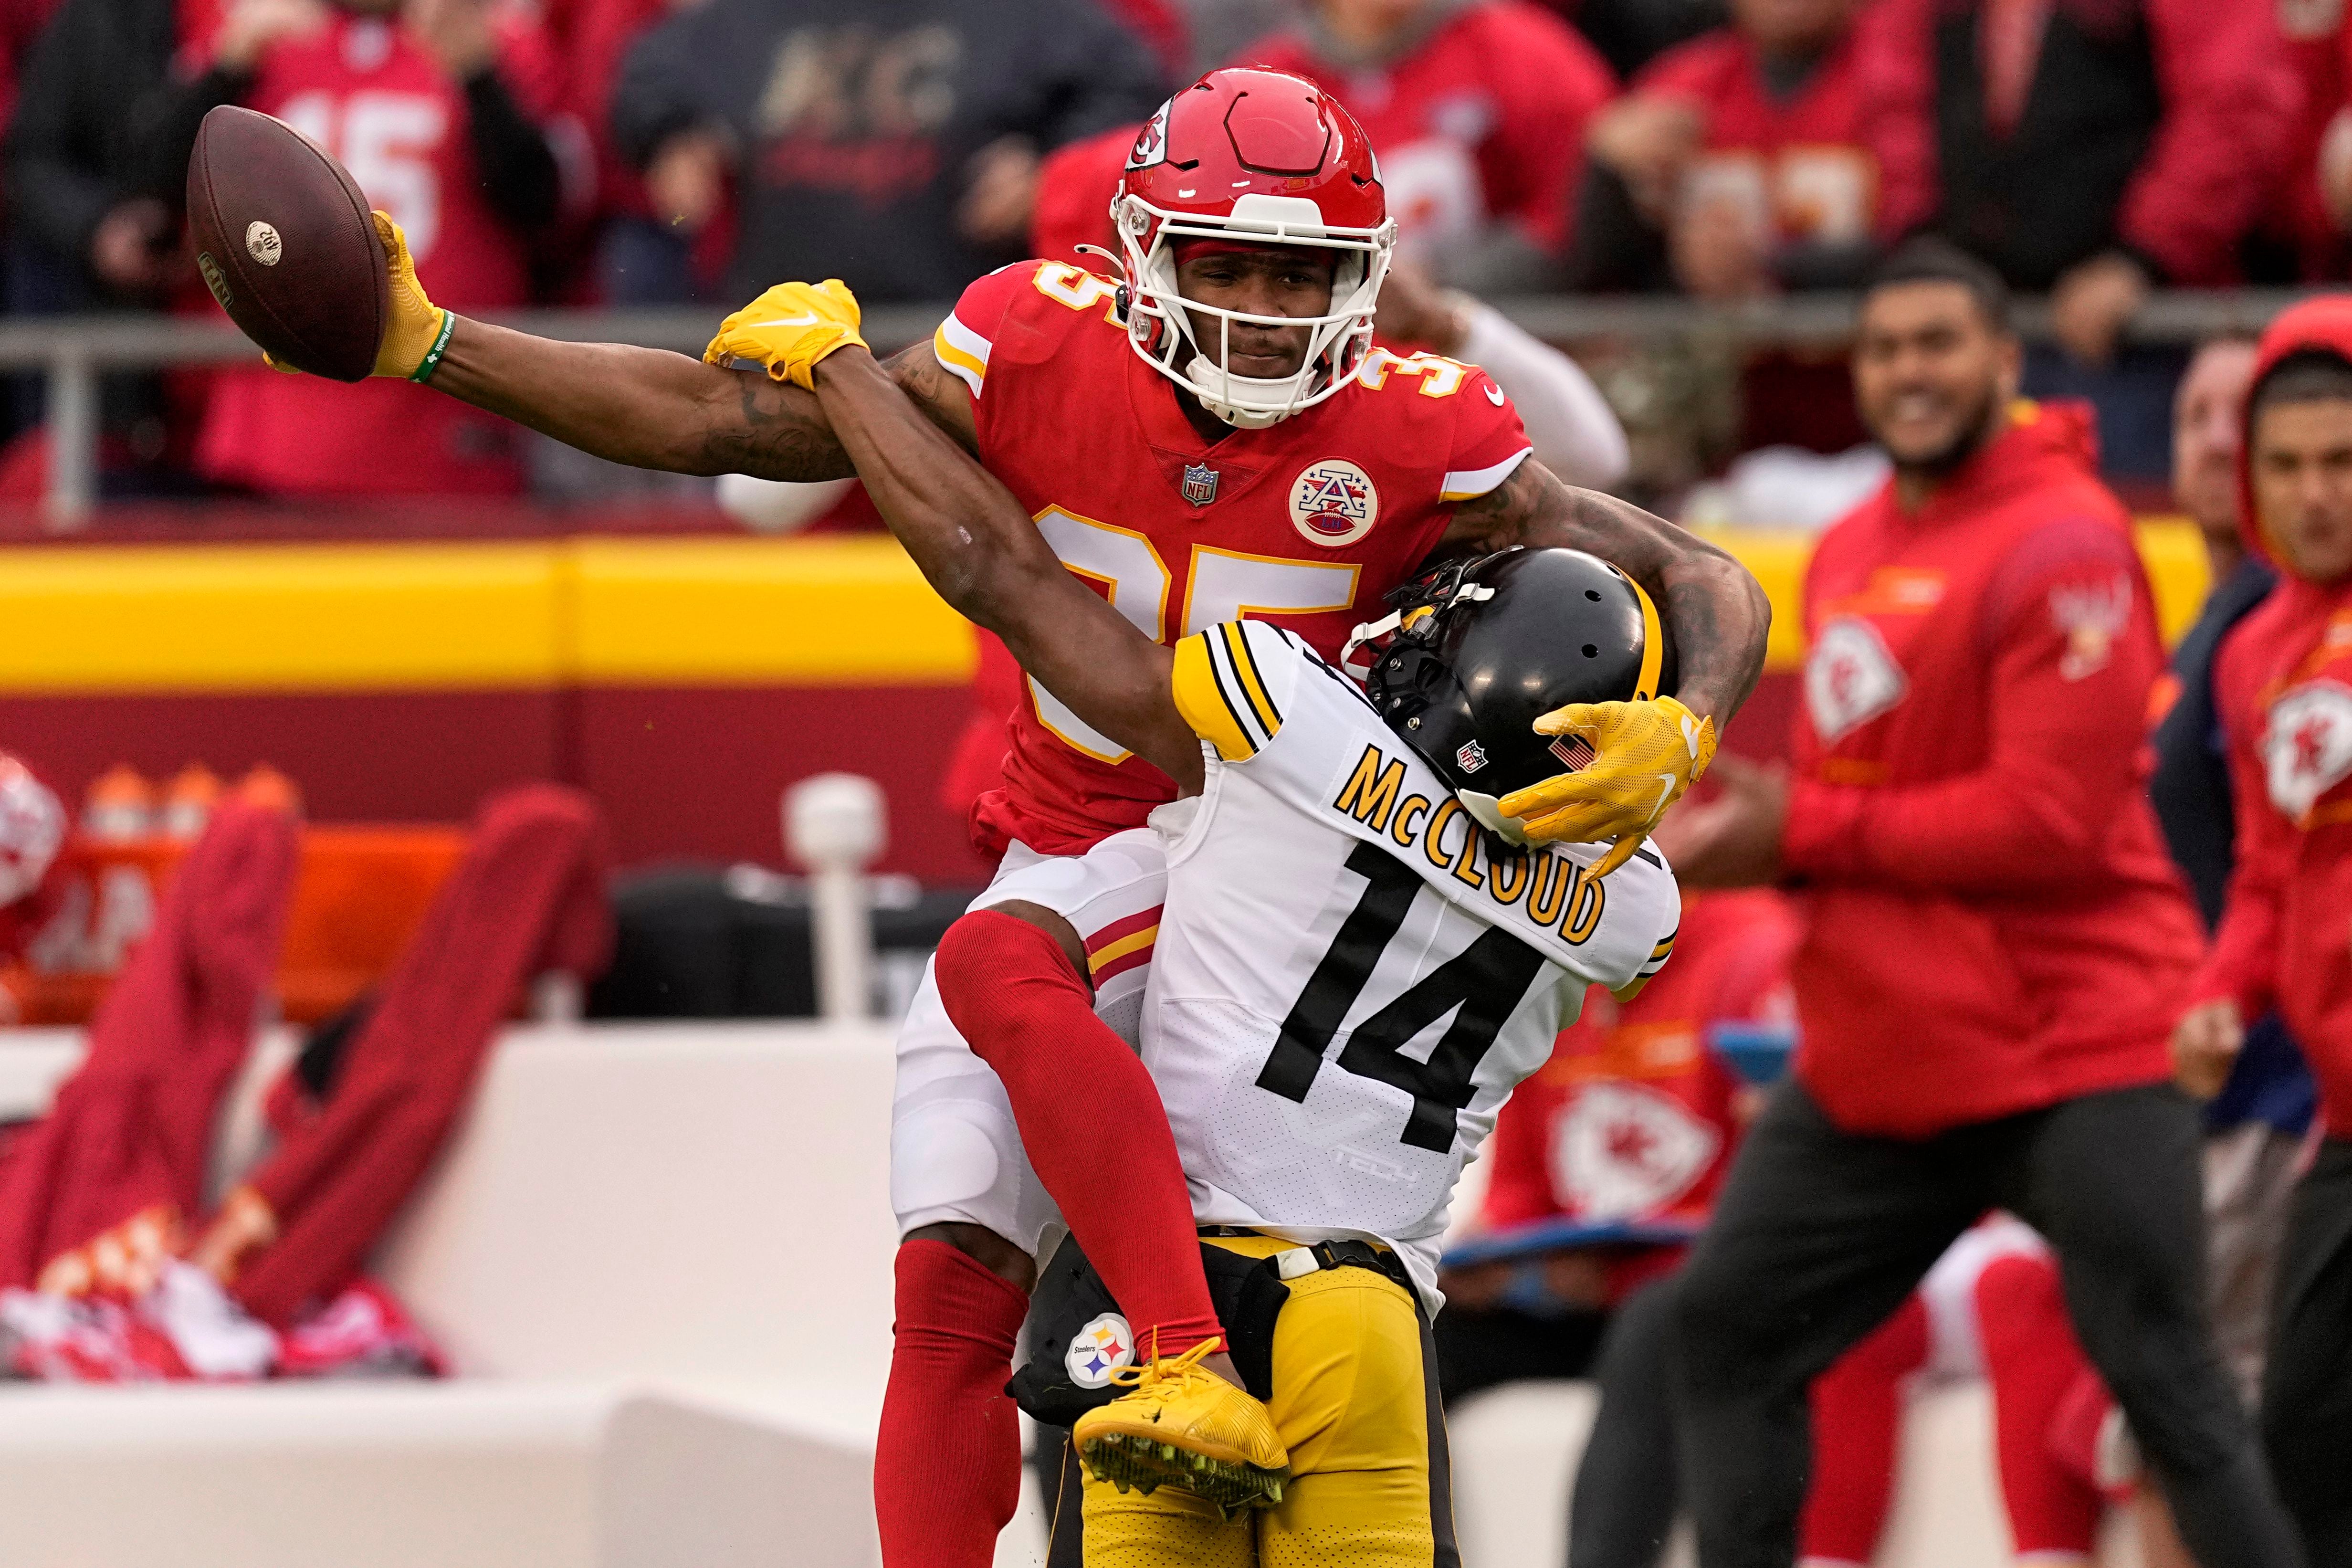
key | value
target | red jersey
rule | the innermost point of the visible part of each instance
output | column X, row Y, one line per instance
column 1826, row 165
column 1992, row 923
column 1305, row 523
column 2282, row 684
column 1485, row 120
column 372, row 96
column 1631, row 1119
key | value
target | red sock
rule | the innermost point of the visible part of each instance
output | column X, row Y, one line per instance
column 1090, row 1119
column 947, row 1462
column 2034, row 1365
column 1857, row 1408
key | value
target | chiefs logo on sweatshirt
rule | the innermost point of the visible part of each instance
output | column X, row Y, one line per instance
column 1850, row 679
column 2308, row 745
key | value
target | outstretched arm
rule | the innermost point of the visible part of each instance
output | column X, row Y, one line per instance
column 653, row 409
column 986, row 558
column 641, row 406
column 1714, row 610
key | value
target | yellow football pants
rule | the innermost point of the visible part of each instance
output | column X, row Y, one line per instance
column 1352, row 1399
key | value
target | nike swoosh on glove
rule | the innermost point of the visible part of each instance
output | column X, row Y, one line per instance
column 1646, row 755
column 789, row 329
column 418, row 330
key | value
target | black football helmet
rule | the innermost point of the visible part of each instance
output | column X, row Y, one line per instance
column 1478, row 650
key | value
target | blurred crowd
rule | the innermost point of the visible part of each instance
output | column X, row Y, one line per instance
column 641, row 152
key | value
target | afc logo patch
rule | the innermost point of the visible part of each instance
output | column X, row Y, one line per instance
column 1333, row 503
column 1098, row 1350
column 1199, row 486
column 1850, row 679
column 2308, row 745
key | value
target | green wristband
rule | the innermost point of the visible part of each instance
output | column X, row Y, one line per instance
column 424, row 372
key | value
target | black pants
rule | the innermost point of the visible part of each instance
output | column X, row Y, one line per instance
column 1481, row 1350
column 1627, row 1487
column 2307, row 1382
column 1820, row 1234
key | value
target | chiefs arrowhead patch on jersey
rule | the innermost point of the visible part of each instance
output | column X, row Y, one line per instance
column 2308, row 745
column 1850, row 679
column 1623, row 1151
column 1334, row 503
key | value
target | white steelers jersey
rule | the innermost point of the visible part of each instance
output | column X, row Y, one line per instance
column 1347, row 984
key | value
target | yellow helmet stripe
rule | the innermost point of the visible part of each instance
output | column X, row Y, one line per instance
column 1654, row 642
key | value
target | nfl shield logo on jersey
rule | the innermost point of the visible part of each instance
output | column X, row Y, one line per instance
column 1199, row 483
column 1472, row 756
column 1098, row 1350
column 1334, row 503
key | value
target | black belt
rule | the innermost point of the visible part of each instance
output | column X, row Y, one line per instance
column 1347, row 1252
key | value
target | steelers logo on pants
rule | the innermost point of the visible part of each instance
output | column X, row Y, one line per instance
column 1098, row 1350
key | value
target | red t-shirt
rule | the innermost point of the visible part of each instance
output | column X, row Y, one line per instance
column 372, row 96
column 1484, row 122
column 1630, row 1120
column 1307, row 523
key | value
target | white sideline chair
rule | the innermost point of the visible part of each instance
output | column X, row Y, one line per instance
column 660, row 1258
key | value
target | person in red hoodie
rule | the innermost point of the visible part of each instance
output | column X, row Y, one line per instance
column 2283, row 683
column 1996, row 944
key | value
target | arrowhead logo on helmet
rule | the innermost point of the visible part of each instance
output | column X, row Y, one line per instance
column 1266, row 159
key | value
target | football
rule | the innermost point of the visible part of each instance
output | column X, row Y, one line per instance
column 285, row 243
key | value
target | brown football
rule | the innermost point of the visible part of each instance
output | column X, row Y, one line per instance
column 283, row 238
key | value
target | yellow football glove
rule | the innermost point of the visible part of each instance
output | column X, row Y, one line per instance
column 418, row 333
column 789, row 329
column 1646, row 755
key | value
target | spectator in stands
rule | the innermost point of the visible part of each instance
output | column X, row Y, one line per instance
column 2095, row 151
column 1995, row 945
column 1477, row 110
column 2254, row 1126
column 901, row 158
column 90, row 223
column 2304, row 229
column 1747, row 162
column 438, row 110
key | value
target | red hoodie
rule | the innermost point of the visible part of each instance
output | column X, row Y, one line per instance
column 1994, row 923
column 2282, row 682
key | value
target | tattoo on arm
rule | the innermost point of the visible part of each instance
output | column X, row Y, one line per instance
column 1714, row 610
column 777, row 431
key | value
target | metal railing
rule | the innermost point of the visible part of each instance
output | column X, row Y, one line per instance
column 72, row 352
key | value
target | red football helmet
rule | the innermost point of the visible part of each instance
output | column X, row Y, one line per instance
column 1262, row 158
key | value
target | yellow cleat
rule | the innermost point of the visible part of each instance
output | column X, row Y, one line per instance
column 1183, row 1425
